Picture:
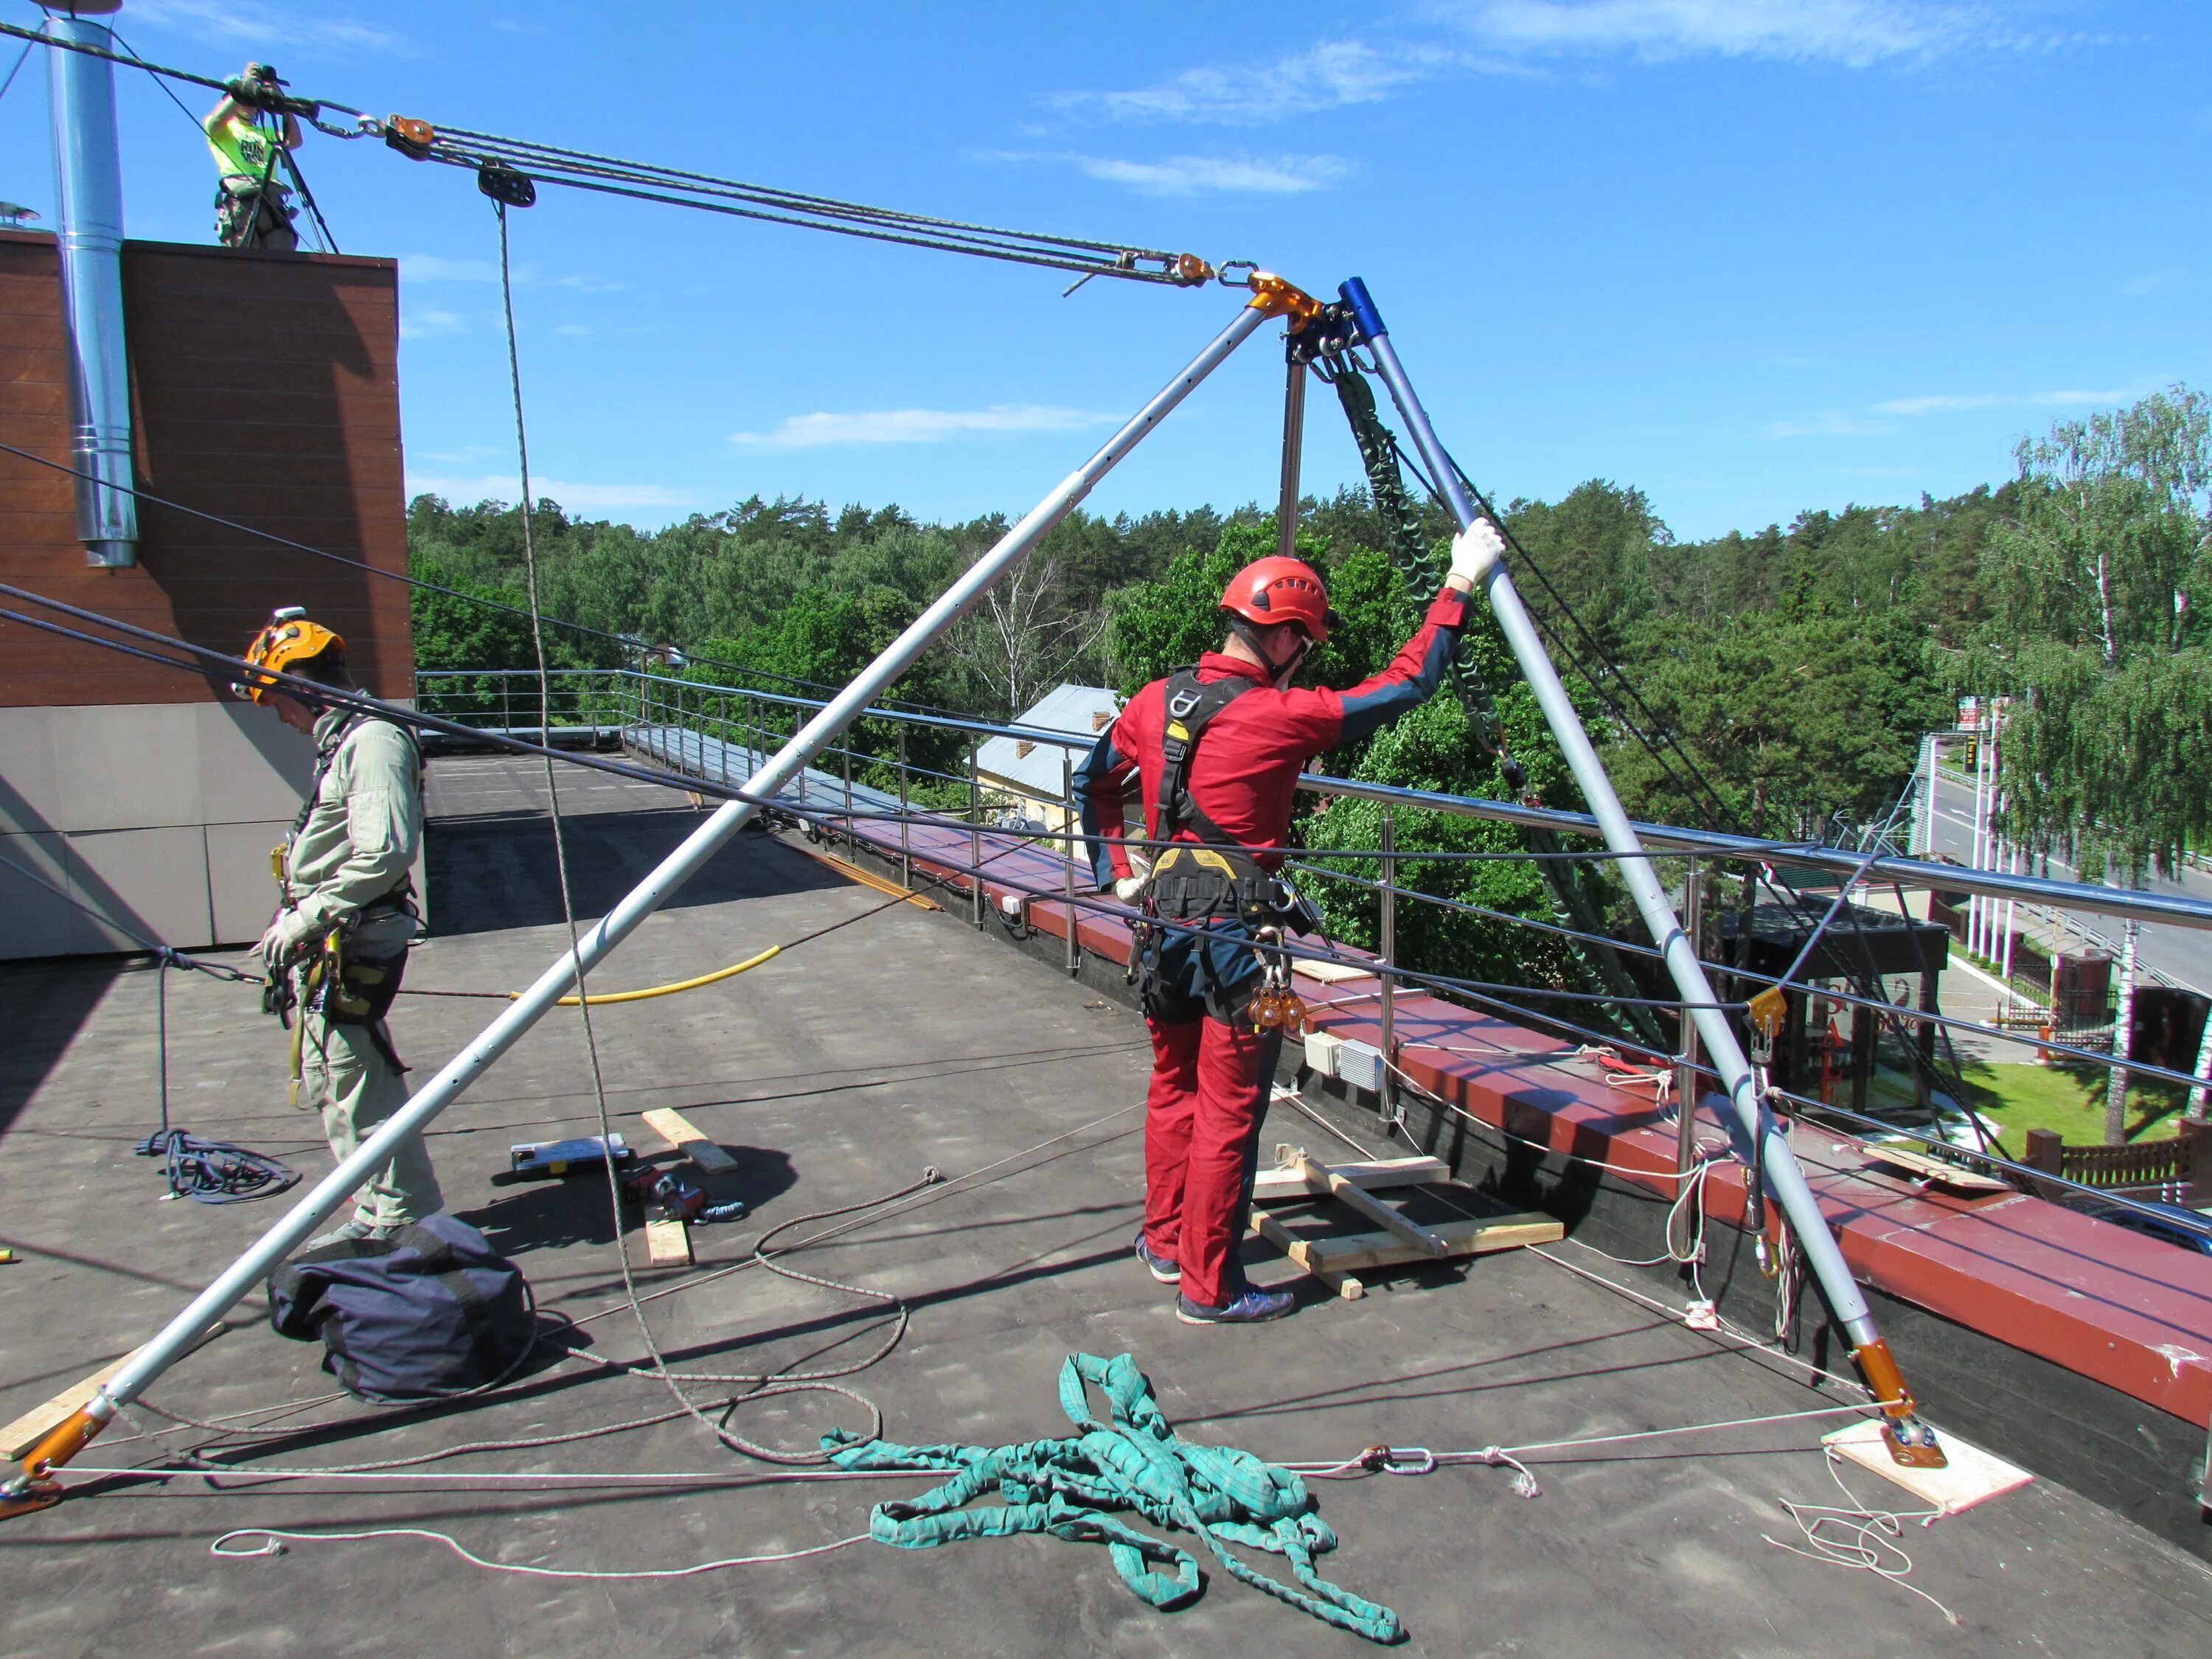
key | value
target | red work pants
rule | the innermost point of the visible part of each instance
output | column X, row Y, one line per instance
column 1202, row 1117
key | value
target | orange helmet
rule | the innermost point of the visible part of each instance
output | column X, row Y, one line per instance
column 289, row 638
column 1278, row 589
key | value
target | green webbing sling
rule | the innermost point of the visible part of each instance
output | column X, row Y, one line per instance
column 1136, row 1463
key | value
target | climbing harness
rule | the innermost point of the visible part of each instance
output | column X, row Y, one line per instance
column 347, row 976
column 1077, row 1487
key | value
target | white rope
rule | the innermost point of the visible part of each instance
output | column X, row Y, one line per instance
column 1722, row 1331
column 249, row 1474
column 274, row 1542
column 1858, row 1539
column 1698, row 1168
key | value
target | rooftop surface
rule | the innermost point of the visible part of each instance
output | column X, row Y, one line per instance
column 838, row 1072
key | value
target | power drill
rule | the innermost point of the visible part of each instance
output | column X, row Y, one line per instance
column 668, row 1195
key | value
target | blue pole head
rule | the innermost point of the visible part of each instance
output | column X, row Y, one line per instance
column 1354, row 293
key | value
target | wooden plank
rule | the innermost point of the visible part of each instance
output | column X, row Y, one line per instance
column 1329, row 972
column 1462, row 1238
column 1346, row 1194
column 1936, row 1169
column 1290, row 1182
column 34, row 1425
column 667, row 1244
column 679, row 1131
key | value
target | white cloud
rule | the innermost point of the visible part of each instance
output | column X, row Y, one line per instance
column 1191, row 175
column 1327, row 76
column 1951, row 403
column 505, row 487
column 1826, row 423
column 291, row 24
column 422, row 322
column 1853, row 33
column 918, row 426
column 436, row 268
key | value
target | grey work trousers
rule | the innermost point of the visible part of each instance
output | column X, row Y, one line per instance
column 342, row 1072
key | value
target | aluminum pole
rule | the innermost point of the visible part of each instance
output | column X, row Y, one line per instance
column 140, row 1370
column 1909, row 1439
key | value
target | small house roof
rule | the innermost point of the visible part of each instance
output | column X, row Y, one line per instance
column 1033, row 767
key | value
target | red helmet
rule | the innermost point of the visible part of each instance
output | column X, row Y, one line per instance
column 1277, row 589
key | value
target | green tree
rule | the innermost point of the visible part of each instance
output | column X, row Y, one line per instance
column 2099, row 580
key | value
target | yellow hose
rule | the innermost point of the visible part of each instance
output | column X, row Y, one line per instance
column 669, row 990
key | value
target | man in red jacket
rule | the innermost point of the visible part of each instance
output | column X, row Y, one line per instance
column 1231, row 795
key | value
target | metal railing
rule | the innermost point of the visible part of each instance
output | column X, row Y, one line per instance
column 718, row 732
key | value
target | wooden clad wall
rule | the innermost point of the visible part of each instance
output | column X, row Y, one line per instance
column 265, row 389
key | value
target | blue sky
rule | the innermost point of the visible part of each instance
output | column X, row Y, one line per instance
column 1751, row 255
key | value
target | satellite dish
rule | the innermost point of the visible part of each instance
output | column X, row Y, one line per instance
column 15, row 215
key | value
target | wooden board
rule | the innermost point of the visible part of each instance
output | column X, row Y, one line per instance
column 853, row 871
column 680, row 1132
column 1329, row 972
column 1972, row 1477
column 1373, row 1209
column 1358, row 1251
column 667, row 1244
column 1937, row 1170
column 1280, row 1182
column 34, row 1425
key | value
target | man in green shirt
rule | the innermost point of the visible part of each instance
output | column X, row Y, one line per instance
column 252, row 202
column 337, row 950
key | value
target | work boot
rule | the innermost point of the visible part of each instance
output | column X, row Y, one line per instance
column 345, row 1233
column 1253, row 1307
column 1164, row 1268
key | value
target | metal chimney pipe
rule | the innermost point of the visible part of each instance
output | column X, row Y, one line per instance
column 88, row 235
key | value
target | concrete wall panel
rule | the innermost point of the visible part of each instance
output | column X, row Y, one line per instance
column 127, row 767
column 242, row 893
column 30, row 773
column 253, row 767
column 156, row 879
column 34, row 922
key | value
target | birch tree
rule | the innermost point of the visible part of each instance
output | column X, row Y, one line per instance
column 2099, row 582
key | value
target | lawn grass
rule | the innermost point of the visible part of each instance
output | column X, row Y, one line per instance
column 2069, row 1099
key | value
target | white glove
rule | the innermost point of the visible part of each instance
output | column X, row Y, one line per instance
column 1128, row 887
column 1474, row 550
column 283, row 939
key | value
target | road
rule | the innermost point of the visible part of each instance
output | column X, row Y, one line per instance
column 2184, row 954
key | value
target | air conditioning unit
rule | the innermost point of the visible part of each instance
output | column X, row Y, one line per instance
column 1346, row 1059
column 1360, row 1064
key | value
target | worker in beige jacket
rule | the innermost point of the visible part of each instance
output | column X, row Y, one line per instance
column 337, row 947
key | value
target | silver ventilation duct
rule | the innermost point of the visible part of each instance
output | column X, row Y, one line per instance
column 88, row 232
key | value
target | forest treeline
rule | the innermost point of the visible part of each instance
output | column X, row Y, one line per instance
column 1789, row 666
column 1776, row 682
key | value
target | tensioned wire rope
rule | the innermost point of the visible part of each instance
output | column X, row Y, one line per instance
column 767, row 1385
column 480, row 152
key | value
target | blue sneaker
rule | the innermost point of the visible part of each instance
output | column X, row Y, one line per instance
column 1167, row 1271
column 1249, row 1308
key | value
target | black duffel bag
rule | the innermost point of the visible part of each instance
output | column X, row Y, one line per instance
column 429, row 1312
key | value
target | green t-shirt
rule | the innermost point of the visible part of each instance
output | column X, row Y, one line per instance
column 241, row 148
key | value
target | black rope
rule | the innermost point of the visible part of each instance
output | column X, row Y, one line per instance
column 215, row 1172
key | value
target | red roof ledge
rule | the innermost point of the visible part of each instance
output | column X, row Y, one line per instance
column 2099, row 1299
